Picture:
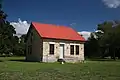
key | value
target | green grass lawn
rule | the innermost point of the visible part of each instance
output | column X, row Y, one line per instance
column 13, row 69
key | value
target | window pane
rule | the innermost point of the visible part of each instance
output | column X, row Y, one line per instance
column 77, row 50
column 72, row 49
column 31, row 37
column 29, row 49
column 51, row 48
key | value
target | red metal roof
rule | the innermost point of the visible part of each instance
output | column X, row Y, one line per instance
column 56, row 32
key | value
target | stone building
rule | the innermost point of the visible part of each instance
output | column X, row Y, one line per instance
column 48, row 43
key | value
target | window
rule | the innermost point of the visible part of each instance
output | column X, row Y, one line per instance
column 72, row 49
column 51, row 48
column 30, row 49
column 77, row 50
column 31, row 37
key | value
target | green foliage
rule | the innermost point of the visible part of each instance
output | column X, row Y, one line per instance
column 91, row 47
column 6, row 37
column 8, row 42
column 108, row 42
column 19, row 46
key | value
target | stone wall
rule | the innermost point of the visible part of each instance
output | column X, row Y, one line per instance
column 67, row 56
column 36, row 44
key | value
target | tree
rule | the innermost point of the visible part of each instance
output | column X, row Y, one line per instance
column 6, row 34
column 9, row 43
column 105, row 41
column 92, row 46
column 110, row 39
column 19, row 46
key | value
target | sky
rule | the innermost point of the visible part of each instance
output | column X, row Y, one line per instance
column 81, row 15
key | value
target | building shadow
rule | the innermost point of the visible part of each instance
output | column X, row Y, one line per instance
column 21, row 60
column 18, row 60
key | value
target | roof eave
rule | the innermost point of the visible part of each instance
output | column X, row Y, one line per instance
column 64, row 39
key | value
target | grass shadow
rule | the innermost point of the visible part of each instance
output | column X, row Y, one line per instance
column 18, row 60
column 1, row 61
column 98, row 59
column 21, row 60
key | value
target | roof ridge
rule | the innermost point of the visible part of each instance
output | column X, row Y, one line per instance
column 52, row 24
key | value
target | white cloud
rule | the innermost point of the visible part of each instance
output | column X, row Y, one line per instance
column 85, row 34
column 100, row 31
column 21, row 27
column 112, row 3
